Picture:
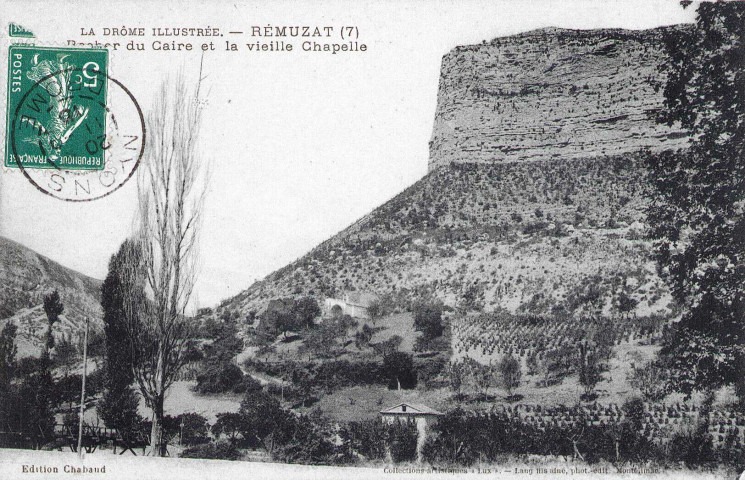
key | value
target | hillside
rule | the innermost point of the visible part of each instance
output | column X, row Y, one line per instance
column 535, row 198
column 525, row 237
column 26, row 277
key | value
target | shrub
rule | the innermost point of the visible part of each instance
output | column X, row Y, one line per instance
column 428, row 318
column 221, row 377
column 193, row 428
column 432, row 372
column 328, row 375
column 402, row 440
column 213, row 450
column 363, row 337
column 399, row 367
column 228, row 424
column 649, row 379
column 303, row 440
column 367, row 438
column 511, row 373
column 692, row 447
column 454, row 440
column 262, row 416
column 119, row 410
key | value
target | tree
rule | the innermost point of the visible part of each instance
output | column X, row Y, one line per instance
column 226, row 345
column 625, row 304
column 218, row 373
column 229, row 424
column 375, row 309
column 171, row 190
column 65, row 356
column 319, row 341
column 428, row 318
column 556, row 364
column 264, row 420
column 402, row 438
column 8, row 351
column 511, row 373
column 471, row 299
column 307, row 310
column 457, row 374
column 336, row 311
column 220, row 377
column 363, row 337
column 120, row 410
column 280, row 316
column 604, row 339
column 588, row 367
column 35, row 396
column 482, row 376
column 193, row 428
column 698, row 199
column 364, row 437
column 387, row 347
column 123, row 284
column 649, row 379
column 304, row 439
column 122, row 289
column 53, row 308
column 400, row 369
column 532, row 362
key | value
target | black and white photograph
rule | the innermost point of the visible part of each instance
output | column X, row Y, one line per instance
column 376, row 239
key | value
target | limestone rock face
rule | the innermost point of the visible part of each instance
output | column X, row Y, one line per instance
column 536, row 195
column 552, row 93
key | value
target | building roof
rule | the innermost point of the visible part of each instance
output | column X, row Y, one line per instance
column 410, row 409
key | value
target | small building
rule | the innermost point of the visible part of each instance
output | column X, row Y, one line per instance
column 416, row 414
column 354, row 304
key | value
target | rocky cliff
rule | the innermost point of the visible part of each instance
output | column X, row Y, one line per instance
column 551, row 93
column 536, row 193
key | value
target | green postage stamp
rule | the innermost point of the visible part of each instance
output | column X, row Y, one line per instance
column 57, row 108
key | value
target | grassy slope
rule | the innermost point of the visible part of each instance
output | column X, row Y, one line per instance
column 491, row 228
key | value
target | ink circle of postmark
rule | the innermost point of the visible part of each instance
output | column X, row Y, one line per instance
column 77, row 134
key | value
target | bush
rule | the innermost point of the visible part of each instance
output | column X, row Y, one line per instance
column 230, row 425
column 511, row 373
column 193, row 428
column 432, row 372
column 428, row 318
column 263, row 416
column 466, row 437
column 304, row 441
column 366, row 438
column 363, row 337
column 222, row 378
column 692, row 447
column 213, row 450
column 454, row 442
column 328, row 375
column 402, row 440
column 400, row 369
column 119, row 410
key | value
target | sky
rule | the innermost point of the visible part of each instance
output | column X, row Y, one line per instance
column 300, row 145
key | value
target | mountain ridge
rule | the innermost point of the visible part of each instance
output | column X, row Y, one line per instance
column 534, row 226
column 27, row 276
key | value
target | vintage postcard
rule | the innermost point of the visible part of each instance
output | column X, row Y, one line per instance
column 327, row 239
